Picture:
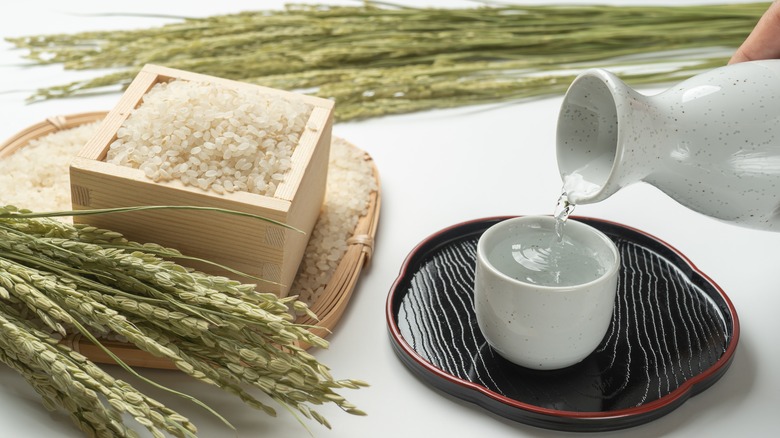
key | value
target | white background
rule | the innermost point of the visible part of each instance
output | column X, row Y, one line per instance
column 438, row 168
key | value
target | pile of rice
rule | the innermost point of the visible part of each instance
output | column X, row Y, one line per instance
column 350, row 183
column 211, row 136
column 36, row 177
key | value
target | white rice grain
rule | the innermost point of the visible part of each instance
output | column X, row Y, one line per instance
column 212, row 137
column 36, row 177
column 347, row 195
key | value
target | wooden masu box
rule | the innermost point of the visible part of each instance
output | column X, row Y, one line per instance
column 246, row 244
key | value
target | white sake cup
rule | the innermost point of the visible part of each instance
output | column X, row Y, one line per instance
column 544, row 327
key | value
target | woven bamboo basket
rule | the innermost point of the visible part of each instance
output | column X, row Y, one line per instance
column 329, row 307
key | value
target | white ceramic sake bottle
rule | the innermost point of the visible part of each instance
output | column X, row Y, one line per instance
column 712, row 142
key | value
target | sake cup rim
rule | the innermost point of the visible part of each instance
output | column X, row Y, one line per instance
column 578, row 227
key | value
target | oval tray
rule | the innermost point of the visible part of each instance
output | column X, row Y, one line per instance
column 674, row 333
column 329, row 306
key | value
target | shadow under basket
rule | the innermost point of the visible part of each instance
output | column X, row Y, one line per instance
column 329, row 306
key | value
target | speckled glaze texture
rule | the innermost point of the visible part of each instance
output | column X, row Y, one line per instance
column 710, row 142
column 544, row 327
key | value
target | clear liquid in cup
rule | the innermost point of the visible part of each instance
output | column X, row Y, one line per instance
column 536, row 256
column 550, row 257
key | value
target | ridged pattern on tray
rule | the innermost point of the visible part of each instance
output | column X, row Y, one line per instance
column 329, row 307
column 669, row 326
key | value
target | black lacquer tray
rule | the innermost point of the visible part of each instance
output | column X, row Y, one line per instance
column 673, row 334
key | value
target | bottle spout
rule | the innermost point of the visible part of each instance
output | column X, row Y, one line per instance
column 587, row 142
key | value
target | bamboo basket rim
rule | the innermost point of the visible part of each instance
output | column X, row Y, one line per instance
column 329, row 307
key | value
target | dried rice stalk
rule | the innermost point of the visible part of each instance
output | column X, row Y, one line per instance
column 386, row 60
column 57, row 278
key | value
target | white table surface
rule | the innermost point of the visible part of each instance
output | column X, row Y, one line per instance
column 438, row 168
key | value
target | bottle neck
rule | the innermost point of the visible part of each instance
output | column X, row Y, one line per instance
column 606, row 136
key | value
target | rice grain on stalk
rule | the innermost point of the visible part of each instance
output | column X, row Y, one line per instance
column 378, row 59
column 62, row 278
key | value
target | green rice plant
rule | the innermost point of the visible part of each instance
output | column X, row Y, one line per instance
column 378, row 59
column 57, row 279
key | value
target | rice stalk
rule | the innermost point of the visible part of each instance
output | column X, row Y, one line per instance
column 58, row 278
column 375, row 60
